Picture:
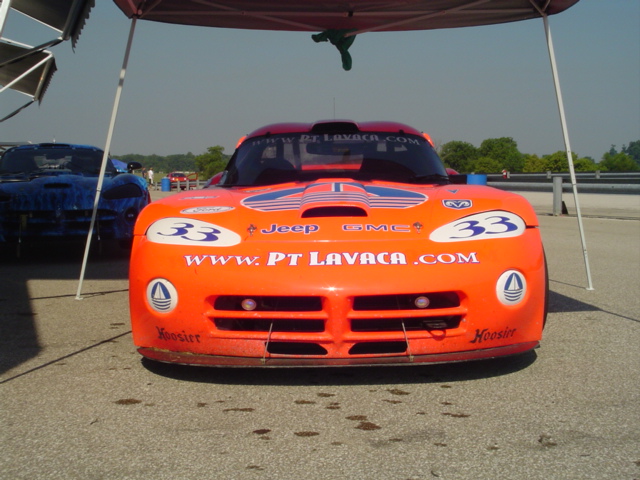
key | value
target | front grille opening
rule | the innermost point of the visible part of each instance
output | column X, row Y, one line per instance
column 334, row 212
column 269, row 304
column 405, row 301
column 264, row 325
column 295, row 348
column 444, row 322
column 378, row 348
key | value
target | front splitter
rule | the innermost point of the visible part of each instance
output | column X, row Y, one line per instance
column 184, row 358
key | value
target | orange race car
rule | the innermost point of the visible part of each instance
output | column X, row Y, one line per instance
column 337, row 243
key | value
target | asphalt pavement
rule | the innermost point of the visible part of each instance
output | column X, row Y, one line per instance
column 77, row 401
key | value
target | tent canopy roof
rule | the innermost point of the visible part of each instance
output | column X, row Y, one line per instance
column 66, row 16
column 31, row 74
column 357, row 15
column 28, row 69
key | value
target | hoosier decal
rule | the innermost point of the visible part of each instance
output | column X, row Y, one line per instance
column 182, row 336
column 487, row 335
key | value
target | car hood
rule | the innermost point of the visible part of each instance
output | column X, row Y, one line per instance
column 41, row 192
column 333, row 209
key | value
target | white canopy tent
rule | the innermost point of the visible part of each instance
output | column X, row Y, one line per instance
column 340, row 21
column 29, row 69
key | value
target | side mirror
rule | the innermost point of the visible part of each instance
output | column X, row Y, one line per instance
column 214, row 180
column 131, row 166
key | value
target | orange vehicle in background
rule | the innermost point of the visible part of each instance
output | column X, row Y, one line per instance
column 337, row 243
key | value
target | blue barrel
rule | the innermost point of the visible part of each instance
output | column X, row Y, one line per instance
column 166, row 184
column 476, row 179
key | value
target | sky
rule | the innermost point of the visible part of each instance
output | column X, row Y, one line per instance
column 190, row 88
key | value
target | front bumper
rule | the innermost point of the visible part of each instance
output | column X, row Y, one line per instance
column 267, row 361
column 337, row 315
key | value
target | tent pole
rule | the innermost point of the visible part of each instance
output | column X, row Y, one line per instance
column 565, row 134
column 105, row 155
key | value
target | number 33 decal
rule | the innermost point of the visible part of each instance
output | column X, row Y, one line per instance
column 189, row 231
column 482, row 226
column 181, row 231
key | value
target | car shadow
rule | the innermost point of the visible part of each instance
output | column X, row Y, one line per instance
column 350, row 375
column 19, row 339
column 18, row 333
column 559, row 303
column 360, row 375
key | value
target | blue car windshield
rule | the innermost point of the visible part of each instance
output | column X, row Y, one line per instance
column 52, row 160
column 381, row 156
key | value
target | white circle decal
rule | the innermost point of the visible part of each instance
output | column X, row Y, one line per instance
column 209, row 209
column 162, row 295
column 189, row 231
column 511, row 287
column 481, row 226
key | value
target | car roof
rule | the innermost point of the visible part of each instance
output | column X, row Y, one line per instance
column 334, row 126
column 35, row 146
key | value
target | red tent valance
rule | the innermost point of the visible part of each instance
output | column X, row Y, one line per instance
column 358, row 15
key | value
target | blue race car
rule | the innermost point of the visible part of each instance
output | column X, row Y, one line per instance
column 47, row 191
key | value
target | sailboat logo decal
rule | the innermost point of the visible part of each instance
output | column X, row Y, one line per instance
column 162, row 295
column 511, row 287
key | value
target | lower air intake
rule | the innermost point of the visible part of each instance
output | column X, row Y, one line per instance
column 264, row 325
column 295, row 348
column 410, row 324
column 378, row 348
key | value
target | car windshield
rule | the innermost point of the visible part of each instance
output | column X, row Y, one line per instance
column 63, row 159
column 295, row 157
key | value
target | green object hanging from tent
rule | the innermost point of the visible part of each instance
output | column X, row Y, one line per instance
column 341, row 41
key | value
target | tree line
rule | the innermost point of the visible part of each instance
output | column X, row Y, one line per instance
column 492, row 156
column 497, row 154
column 206, row 165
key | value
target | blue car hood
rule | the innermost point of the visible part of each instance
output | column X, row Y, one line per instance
column 58, row 191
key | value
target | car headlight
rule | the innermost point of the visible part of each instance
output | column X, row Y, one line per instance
column 130, row 215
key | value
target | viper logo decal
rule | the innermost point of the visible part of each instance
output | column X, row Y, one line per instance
column 457, row 204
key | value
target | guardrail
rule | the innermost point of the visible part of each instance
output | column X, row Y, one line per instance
column 178, row 185
column 589, row 182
